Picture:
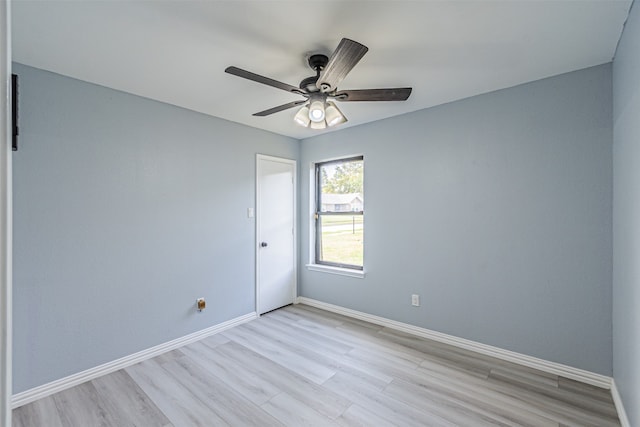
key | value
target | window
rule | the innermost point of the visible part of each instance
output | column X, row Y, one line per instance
column 339, row 213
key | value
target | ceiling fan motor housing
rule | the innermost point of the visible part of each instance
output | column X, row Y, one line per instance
column 317, row 63
column 309, row 84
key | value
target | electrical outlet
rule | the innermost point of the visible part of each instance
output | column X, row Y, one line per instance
column 415, row 300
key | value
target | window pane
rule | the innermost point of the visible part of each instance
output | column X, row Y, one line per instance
column 341, row 186
column 341, row 239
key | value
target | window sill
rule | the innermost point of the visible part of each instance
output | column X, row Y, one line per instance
column 336, row 270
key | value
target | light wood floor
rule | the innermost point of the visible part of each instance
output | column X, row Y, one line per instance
column 303, row 366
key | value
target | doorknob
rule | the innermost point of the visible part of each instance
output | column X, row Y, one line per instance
column 263, row 244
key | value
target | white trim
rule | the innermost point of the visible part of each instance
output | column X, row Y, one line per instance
column 336, row 270
column 581, row 375
column 294, row 163
column 6, row 249
column 617, row 400
column 48, row 389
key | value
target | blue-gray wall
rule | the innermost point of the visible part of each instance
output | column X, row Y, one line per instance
column 125, row 211
column 496, row 209
column 626, row 216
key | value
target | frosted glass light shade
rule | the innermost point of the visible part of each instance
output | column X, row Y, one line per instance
column 334, row 115
column 302, row 117
column 318, row 125
column 316, row 111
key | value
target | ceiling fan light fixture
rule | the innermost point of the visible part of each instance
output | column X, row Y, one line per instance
column 333, row 115
column 302, row 116
column 316, row 111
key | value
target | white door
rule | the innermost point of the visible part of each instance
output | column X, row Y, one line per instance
column 275, row 214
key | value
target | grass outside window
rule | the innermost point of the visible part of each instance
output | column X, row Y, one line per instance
column 343, row 239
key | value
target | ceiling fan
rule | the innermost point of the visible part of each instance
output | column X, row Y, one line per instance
column 318, row 110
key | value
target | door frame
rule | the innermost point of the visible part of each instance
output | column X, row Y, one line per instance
column 259, row 158
column 6, row 185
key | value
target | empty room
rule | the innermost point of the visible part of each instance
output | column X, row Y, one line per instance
column 327, row 213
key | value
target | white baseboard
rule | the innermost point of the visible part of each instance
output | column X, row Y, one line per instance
column 617, row 400
column 48, row 389
column 581, row 375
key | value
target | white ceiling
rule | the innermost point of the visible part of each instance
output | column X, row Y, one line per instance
column 176, row 51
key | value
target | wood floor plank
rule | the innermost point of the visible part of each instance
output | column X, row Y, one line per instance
column 359, row 340
column 245, row 382
column 169, row 356
column 586, row 403
column 450, row 409
column 297, row 386
column 127, row 402
column 586, row 390
column 311, row 339
column 306, row 350
column 181, row 406
column 42, row 412
column 463, row 408
column 383, row 357
column 301, row 365
column 452, row 356
column 453, row 368
column 318, row 313
column 498, row 395
column 231, row 406
column 524, row 379
column 443, row 354
column 420, row 377
column 82, row 406
column 292, row 412
column 294, row 314
column 330, row 360
column 381, row 405
column 214, row 340
column 357, row 416
column 573, row 414
column 279, row 354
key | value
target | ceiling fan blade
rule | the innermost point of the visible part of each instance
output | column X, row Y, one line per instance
column 392, row 94
column 344, row 58
column 279, row 108
column 264, row 80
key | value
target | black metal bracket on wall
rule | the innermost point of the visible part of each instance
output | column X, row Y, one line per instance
column 14, row 112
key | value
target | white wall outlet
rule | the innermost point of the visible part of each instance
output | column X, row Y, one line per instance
column 250, row 213
column 415, row 300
